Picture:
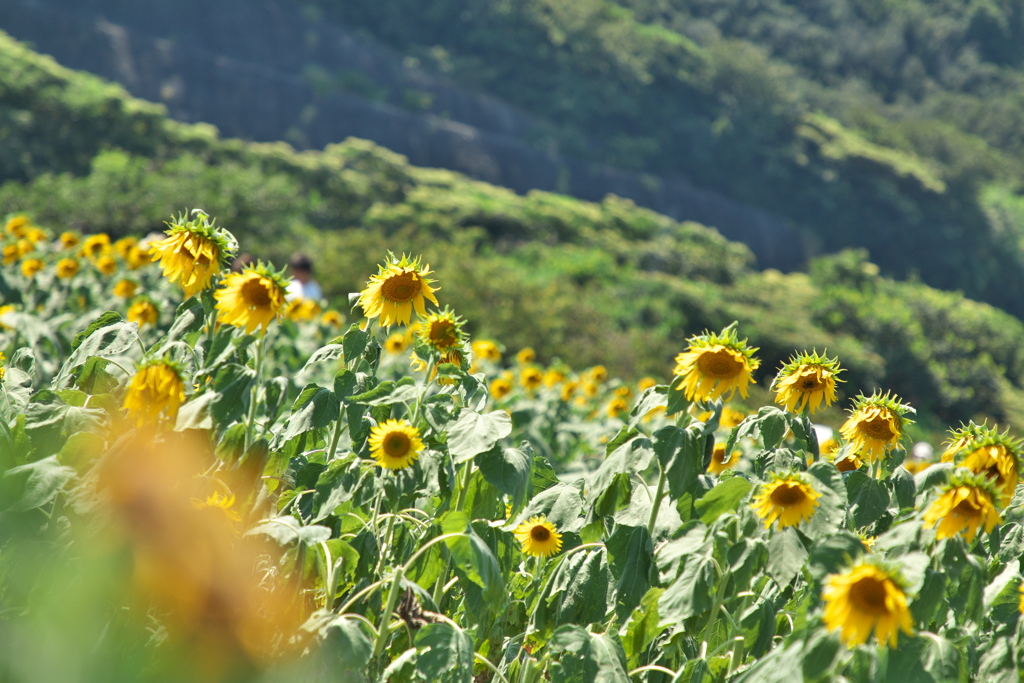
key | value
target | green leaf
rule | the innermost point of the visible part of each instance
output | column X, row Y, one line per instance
column 543, row 474
column 374, row 395
column 926, row 658
column 348, row 645
column 587, row 657
column 676, row 399
column 579, row 591
column 772, row 425
column 474, row 433
column 819, row 653
column 188, row 321
column 324, row 354
column 691, row 593
column 233, row 383
column 315, row 408
column 786, row 556
column 867, row 497
column 354, row 343
column 725, row 497
column 631, row 558
column 448, row 653
column 652, row 398
column 287, row 530
column 904, row 490
column 681, row 454
column 33, row 485
column 561, row 504
column 508, row 470
column 471, row 554
column 195, row 414
column 631, row 457
column 758, row 624
column 106, row 319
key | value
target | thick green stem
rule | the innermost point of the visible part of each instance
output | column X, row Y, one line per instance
column 656, row 504
column 250, row 422
column 467, row 475
column 385, row 617
column 339, row 427
column 389, row 537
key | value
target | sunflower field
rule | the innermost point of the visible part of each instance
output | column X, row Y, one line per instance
column 203, row 479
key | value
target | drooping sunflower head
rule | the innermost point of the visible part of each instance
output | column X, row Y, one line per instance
column 66, row 268
column 155, row 392
column 400, row 286
column 442, row 332
column 486, row 350
column 395, row 444
column 876, row 424
column 807, row 381
column 144, row 312
column 538, row 537
column 96, row 246
column 716, row 365
column 252, row 298
column 787, row 497
column 193, row 252
column 867, row 597
column 844, row 459
column 967, row 504
column 31, row 266
column 720, row 462
column 997, row 457
column 962, row 439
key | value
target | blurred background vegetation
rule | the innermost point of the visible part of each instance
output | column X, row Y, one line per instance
column 888, row 132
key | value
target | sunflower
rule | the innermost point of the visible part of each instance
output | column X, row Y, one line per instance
column 29, row 267
column 143, row 312
column 156, row 390
column 730, row 418
column 125, row 289
column 137, row 257
column 25, row 247
column 106, row 265
column 252, row 298
column 875, row 425
column 395, row 343
column 69, row 240
column 192, row 252
column 568, row 390
column 442, row 332
column 646, row 383
column 719, row 462
column 398, row 288
column 715, row 366
column 11, row 254
column 301, row 310
column 526, row 356
column 36, row 235
column 217, row 501
column 66, row 268
column 539, row 537
column 531, row 379
column 486, row 350
column 807, row 381
column 616, row 407
column 962, row 440
column 16, row 225
column 124, row 246
column 395, row 444
column 848, row 463
column 96, row 246
column 598, row 373
column 3, row 370
column 966, row 503
column 4, row 310
column 996, row 456
column 332, row 318
column 500, row 388
column 553, row 377
column 788, row 498
column 866, row 598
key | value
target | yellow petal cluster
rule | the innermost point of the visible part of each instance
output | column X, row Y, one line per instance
column 962, row 508
column 712, row 372
column 873, row 430
column 809, row 386
column 866, row 599
column 249, row 299
column 790, row 500
column 155, row 391
column 395, row 444
column 392, row 294
column 187, row 258
column 538, row 537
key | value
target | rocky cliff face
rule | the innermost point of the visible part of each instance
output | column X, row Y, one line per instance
column 267, row 71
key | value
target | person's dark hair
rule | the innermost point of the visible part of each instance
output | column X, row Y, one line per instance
column 301, row 261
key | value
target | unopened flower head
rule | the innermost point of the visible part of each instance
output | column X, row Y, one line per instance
column 193, row 252
column 716, row 365
column 253, row 298
column 441, row 332
column 400, row 286
column 807, row 381
column 876, row 425
column 962, row 439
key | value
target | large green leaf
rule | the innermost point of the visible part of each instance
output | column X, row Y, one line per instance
column 471, row 554
column 315, row 408
column 786, row 555
column 508, row 470
column 631, row 558
column 447, row 653
column 33, row 485
column 474, row 433
column 561, row 504
column 587, row 657
column 691, row 593
column 725, row 497
column 681, row 454
column 867, row 497
column 579, row 591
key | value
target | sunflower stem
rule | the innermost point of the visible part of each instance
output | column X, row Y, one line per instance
column 339, row 427
column 389, row 537
column 385, row 617
column 419, row 399
column 656, row 503
column 250, row 422
column 467, row 473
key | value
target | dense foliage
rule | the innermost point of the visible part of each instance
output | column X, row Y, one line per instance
column 869, row 124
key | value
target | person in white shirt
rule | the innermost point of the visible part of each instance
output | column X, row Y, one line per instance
column 303, row 286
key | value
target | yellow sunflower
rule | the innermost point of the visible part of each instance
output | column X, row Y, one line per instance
column 3, row 370
column 124, row 246
column 715, row 366
column 997, row 457
column 143, row 312
column 106, row 265
column 787, row 498
column 500, row 388
column 866, row 598
column 442, row 331
column 218, row 501
column 646, row 383
column 301, row 310
column 395, row 444
column 806, row 382
column 616, row 407
column 69, row 240
column 531, row 379
column 66, row 268
column 395, row 343
column 598, row 373
column 332, row 318
column 393, row 293
column 486, row 350
column 192, row 252
column 125, row 289
column 966, row 503
column 17, row 225
column 538, row 537
column 137, row 257
column 875, row 425
column 719, row 462
column 526, row 356
column 569, row 390
column 36, row 235
column 29, row 267
column 155, row 391
column 11, row 254
column 849, row 462
column 553, row 376
column 96, row 246
column 251, row 299
column 963, row 438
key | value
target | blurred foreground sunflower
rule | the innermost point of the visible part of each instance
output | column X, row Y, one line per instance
column 395, row 444
column 538, row 537
column 863, row 599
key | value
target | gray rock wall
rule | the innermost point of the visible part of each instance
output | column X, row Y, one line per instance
column 265, row 71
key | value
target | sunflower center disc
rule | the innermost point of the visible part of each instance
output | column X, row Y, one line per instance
column 878, row 428
column 719, row 365
column 396, row 445
column 787, row 495
column 540, row 534
column 967, row 508
column 256, row 293
column 869, row 595
column 401, row 287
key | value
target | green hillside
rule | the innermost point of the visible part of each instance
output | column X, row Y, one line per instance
column 589, row 283
column 892, row 125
